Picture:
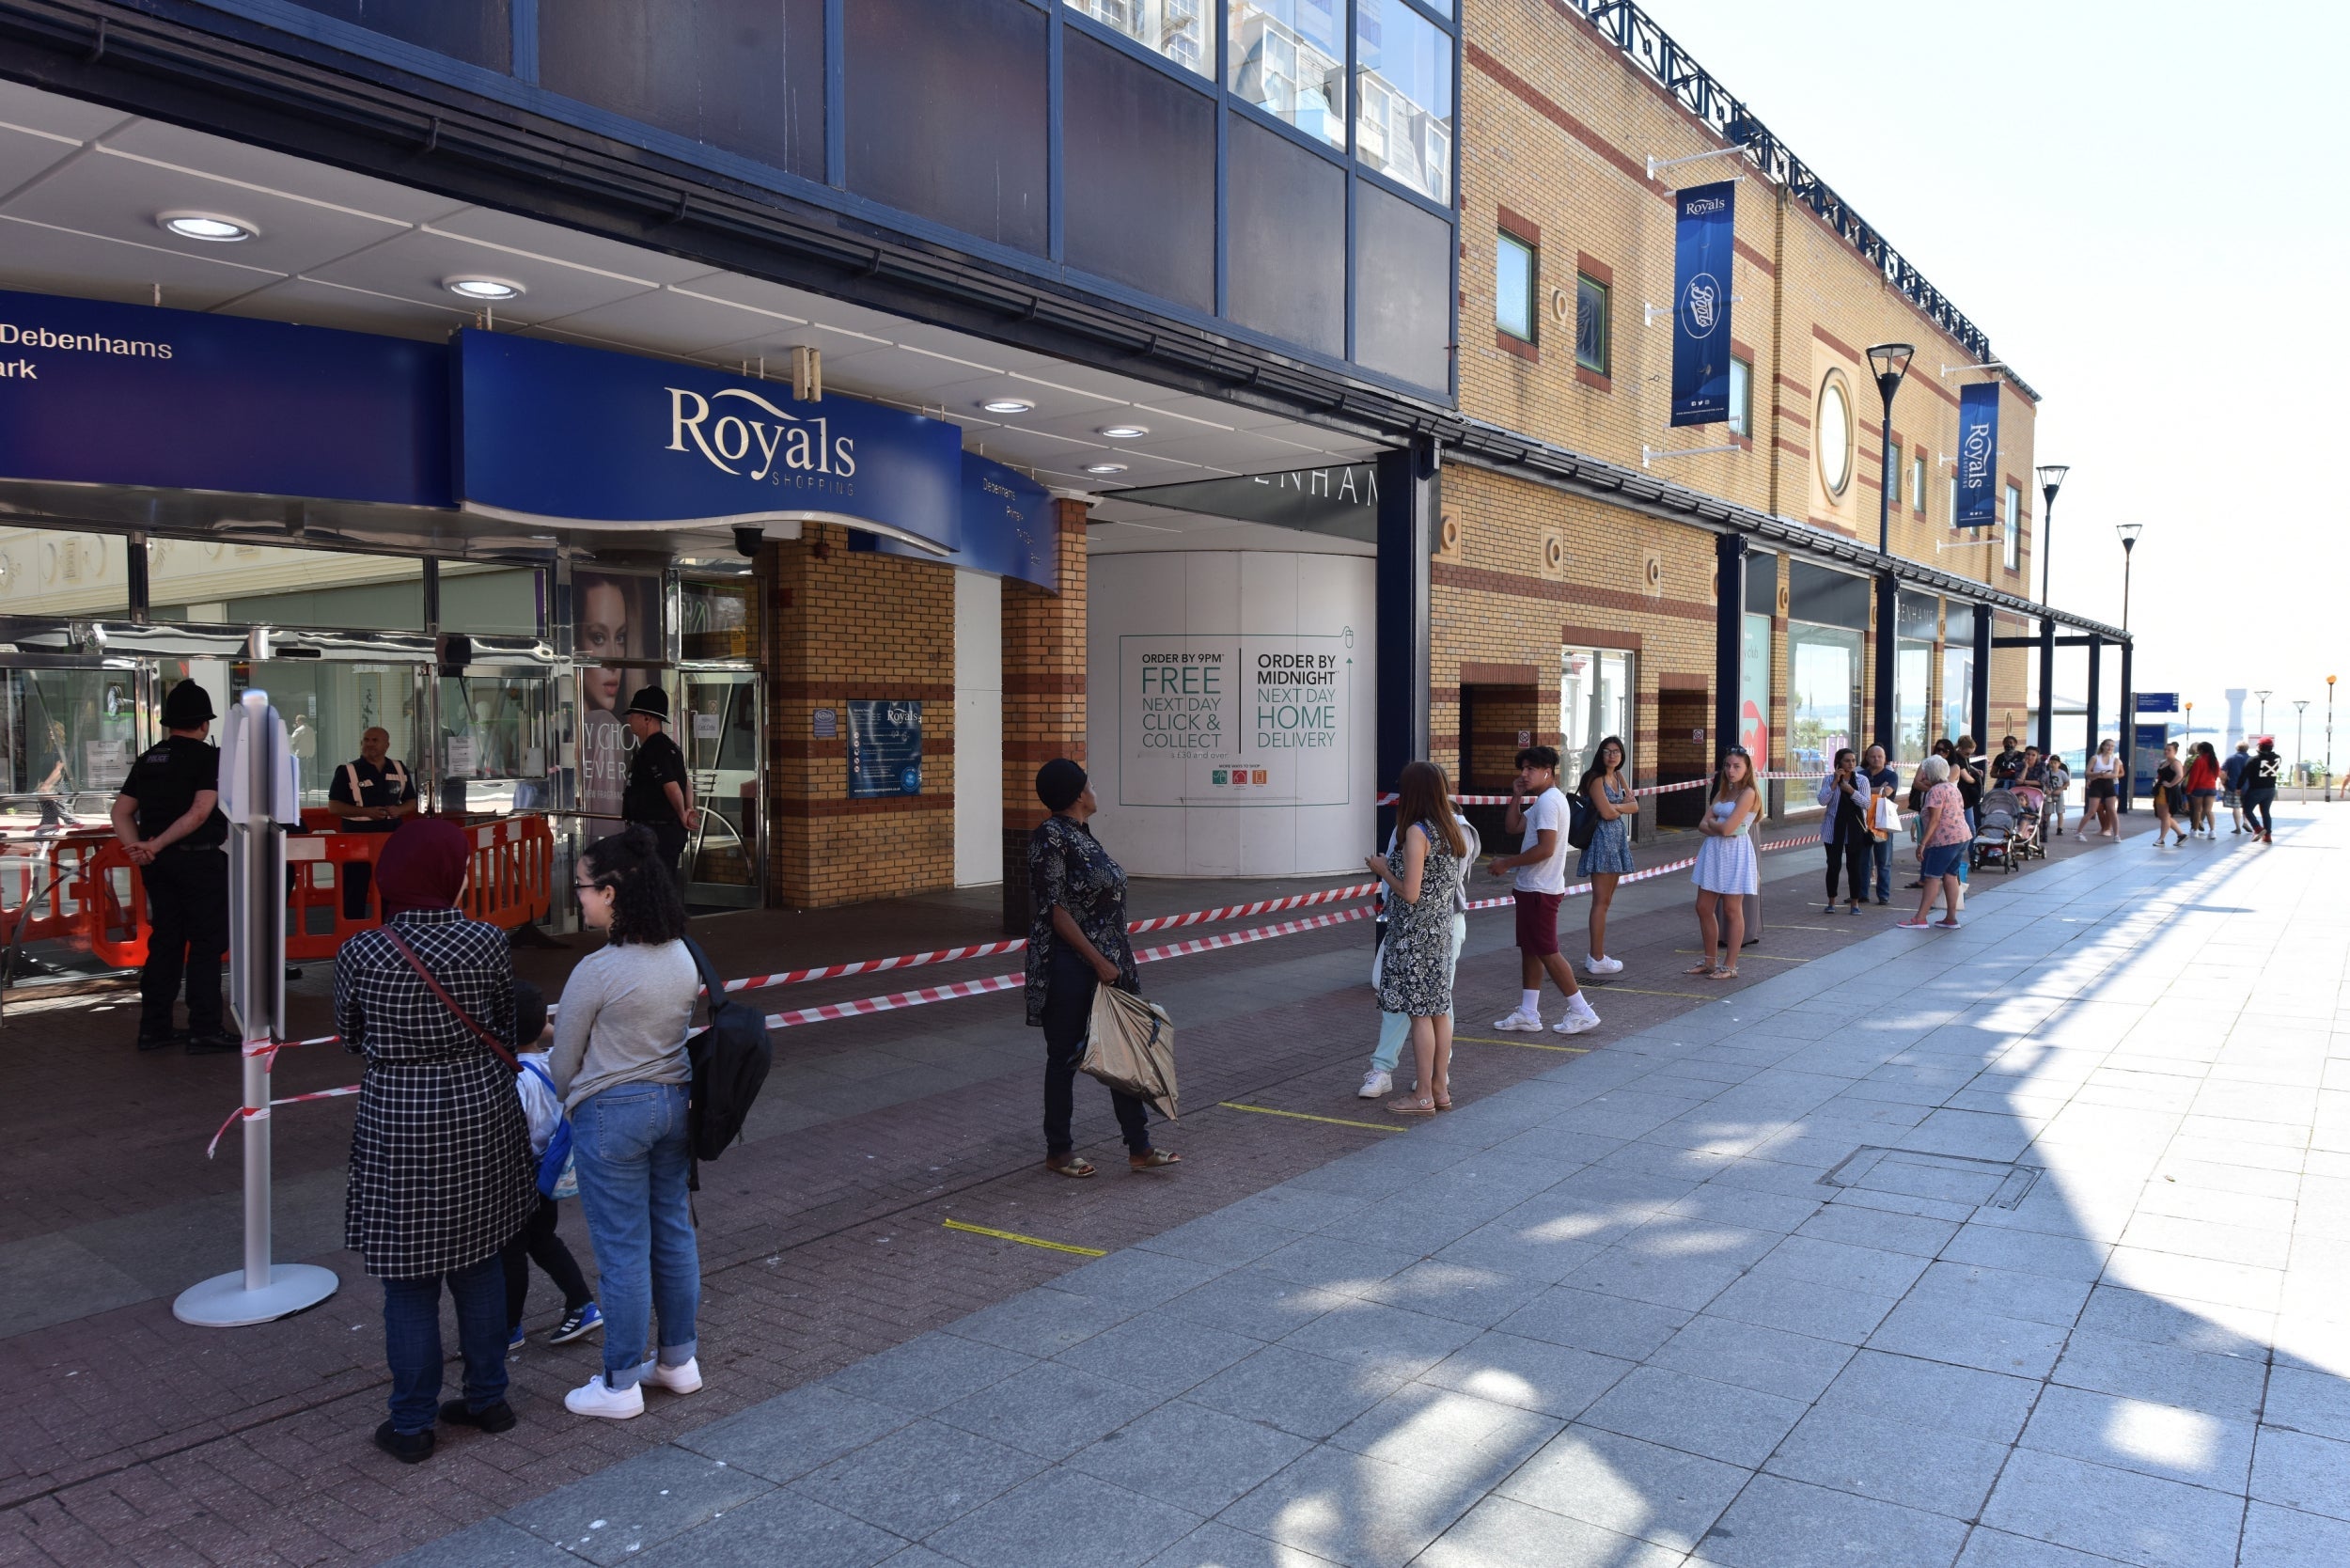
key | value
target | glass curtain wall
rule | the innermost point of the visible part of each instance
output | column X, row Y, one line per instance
column 1917, row 619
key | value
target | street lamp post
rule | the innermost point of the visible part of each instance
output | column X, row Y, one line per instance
column 2264, row 696
column 1888, row 362
column 2051, row 475
column 2330, row 737
column 2301, row 706
column 2128, row 532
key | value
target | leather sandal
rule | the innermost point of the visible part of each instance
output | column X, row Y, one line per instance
column 1154, row 1159
column 1069, row 1165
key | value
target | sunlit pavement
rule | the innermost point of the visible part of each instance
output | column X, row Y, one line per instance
column 2021, row 1246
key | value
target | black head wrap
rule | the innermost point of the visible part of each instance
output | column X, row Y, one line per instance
column 1059, row 783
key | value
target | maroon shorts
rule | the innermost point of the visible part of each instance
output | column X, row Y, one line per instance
column 1538, row 922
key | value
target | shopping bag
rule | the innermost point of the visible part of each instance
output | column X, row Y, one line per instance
column 1889, row 818
column 1130, row 1045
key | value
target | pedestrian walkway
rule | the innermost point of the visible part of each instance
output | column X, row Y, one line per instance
column 2018, row 1247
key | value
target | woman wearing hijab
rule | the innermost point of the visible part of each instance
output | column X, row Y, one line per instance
column 1076, row 944
column 620, row 1064
column 441, row 1173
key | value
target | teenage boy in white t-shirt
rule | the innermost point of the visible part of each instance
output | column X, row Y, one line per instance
column 1540, row 812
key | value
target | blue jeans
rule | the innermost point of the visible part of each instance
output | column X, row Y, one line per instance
column 1881, row 856
column 630, row 1149
column 1395, row 1029
column 411, row 1340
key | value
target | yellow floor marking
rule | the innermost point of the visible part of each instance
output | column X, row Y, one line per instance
column 1301, row 1115
column 1529, row 1044
column 1774, row 958
column 1025, row 1241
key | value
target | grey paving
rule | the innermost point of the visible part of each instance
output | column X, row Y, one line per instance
column 2080, row 1303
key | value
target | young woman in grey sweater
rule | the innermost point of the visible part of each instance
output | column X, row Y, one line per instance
column 620, row 1066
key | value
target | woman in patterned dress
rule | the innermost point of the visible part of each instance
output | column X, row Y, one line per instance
column 1609, row 853
column 1422, row 873
column 1077, row 943
column 441, row 1173
column 1725, row 872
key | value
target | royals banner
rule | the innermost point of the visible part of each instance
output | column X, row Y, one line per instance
column 1977, row 456
column 1703, row 234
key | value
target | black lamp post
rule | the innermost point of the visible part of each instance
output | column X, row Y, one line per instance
column 2129, row 532
column 2051, row 476
column 1888, row 362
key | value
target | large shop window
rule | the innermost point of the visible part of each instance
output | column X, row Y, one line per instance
column 1138, row 173
column 1403, row 285
column 479, row 32
column 745, row 76
column 1404, row 97
column 220, row 583
column 1286, row 212
column 1958, row 685
column 1287, row 57
column 1182, row 30
column 1594, row 702
column 1754, row 671
column 1827, row 612
column 51, row 574
column 946, row 109
column 1917, row 619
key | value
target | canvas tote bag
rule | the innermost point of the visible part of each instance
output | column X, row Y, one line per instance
column 1130, row 1045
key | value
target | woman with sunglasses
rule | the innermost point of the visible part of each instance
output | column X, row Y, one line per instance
column 620, row 1066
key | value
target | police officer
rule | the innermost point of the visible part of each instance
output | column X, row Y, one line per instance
column 658, row 794
column 168, row 818
column 372, row 794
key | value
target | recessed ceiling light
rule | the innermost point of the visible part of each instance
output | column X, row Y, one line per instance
column 1105, row 469
column 1123, row 432
column 1008, row 405
column 482, row 288
column 207, row 225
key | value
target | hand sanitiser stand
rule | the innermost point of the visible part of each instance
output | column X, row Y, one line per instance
column 259, row 797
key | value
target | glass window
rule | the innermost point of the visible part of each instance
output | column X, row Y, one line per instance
column 1139, row 172
column 45, row 572
column 506, row 600
column 1918, row 481
column 67, row 737
column 2011, row 528
column 1953, row 494
column 1831, row 432
column 328, row 706
column 222, row 582
column 1594, row 702
column 946, row 108
column 1402, row 289
column 1514, row 271
column 1824, row 694
column 1404, row 97
column 495, row 731
column 1286, row 219
column 744, row 75
column 720, row 619
column 1287, row 57
column 1741, row 399
column 1893, row 477
column 1590, row 324
column 476, row 31
column 1179, row 29
column 1958, row 684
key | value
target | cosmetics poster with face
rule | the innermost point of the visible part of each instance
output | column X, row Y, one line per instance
column 617, row 617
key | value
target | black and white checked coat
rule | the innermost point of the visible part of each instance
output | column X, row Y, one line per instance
column 441, row 1171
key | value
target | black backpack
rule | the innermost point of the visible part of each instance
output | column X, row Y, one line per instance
column 730, row 1059
column 1582, row 822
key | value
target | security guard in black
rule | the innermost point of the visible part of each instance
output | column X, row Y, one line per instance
column 168, row 818
column 658, row 794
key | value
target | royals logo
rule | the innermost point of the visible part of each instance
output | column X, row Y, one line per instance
column 1702, row 304
column 791, row 442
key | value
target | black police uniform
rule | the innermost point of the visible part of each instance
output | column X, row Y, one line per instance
column 389, row 785
column 657, row 762
column 187, row 889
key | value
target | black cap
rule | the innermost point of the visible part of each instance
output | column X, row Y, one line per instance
column 187, row 705
column 651, row 701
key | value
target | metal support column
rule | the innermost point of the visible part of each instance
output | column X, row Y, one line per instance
column 1408, row 495
column 1730, row 639
column 2096, row 674
column 2047, row 685
column 1889, row 630
column 1979, row 700
column 2128, row 726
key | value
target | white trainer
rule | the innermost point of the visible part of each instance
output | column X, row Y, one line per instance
column 1602, row 965
column 1524, row 1023
column 686, row 1379
column 1375, row 1083
column 1575, row 1023
column 596, row 1396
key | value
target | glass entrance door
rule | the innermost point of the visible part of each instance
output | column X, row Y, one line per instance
column 719, row 726
column 329, row 705
column 67, row 738
column 496, row 724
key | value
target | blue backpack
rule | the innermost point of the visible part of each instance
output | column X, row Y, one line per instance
column 556, row 1178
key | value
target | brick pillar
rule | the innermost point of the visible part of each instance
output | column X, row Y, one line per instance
column 1044, row 695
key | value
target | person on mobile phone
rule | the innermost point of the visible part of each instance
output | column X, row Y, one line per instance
column 1539, row 870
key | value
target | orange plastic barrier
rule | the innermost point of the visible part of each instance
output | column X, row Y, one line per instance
column 44, row 895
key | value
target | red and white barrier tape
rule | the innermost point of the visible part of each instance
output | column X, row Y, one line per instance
column 244, row 1112
column 1644, row 790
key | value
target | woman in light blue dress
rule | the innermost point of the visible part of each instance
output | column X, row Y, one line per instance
column 1726, row 871
column 1608, row 855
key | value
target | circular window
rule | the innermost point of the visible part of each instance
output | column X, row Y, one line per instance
column 1832, row 431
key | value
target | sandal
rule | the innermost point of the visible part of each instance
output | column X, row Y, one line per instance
column 1411, row 1106
column 1705, row 968
column 1727, row 971
column 1154, row 1159
column 1069, row 1165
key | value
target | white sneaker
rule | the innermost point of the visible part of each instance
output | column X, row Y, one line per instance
column 686, row 1379
column 1375, row 1083
column 1602, row 965
column 1575, row 1023
column 1525, row 1022
column 596, row 1396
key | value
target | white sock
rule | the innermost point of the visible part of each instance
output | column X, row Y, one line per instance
column 1530, row 1002
column 1577, row 1004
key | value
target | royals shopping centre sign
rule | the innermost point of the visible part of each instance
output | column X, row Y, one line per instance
column 507, row 427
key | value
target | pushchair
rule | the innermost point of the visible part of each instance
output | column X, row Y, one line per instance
column 1999, row 819
column 2032, row 821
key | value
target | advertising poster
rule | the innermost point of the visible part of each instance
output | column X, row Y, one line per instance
column 884, row 748
column 616, row 616
column 1234, row 721
column 1977, row 456
column 1704, row 233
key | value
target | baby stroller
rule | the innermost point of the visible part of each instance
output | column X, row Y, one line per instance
column 1998, row 821
column 2030, row 821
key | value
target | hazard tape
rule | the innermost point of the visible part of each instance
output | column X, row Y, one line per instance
column 245, row 1113
column 1644, row 790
